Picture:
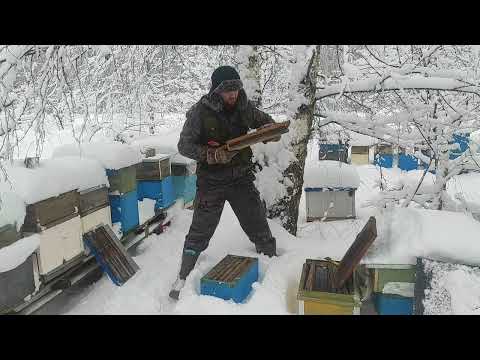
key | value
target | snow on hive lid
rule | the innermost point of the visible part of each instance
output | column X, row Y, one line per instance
column 53, row 177
column 166, row 142
column 180, row 159
column 15, row 254
column 329, row 173
column 113, row 155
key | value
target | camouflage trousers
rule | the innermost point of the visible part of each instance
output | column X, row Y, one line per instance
column 236, row 186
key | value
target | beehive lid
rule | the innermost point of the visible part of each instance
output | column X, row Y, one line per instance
column 229, row 269
column 157, row 157
column 355, row 253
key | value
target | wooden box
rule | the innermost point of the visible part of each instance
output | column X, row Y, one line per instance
column 60, row 244
column 318, row 202
column 8, row 235
column 93, row 199
column 231, row 278
column 318, row 296
column 154, row 168
column 123, row 180
column 337, row 288
column 50, row 212
column 392, row 304
column 16, row 285
column 387, row 276
column 93, row 219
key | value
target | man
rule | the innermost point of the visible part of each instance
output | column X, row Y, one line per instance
column 223, row 114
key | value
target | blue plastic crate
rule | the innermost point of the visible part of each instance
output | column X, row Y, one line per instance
column 231, row 278
column 384, row 160
column 124, row 209
column 407, row 162
column 390, row 304
column 185, row 187
column 161, row 190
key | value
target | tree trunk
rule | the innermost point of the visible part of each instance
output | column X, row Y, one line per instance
column 250, row 72
column 286, row 208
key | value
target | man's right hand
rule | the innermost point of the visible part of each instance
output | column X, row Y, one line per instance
column 219, row 155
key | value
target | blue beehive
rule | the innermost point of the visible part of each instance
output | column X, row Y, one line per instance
column 337, row 152
column 161, row 190
column 231, row 278
column 124, row 209
column 185, row 187
column 407, row 162
column 391, row 304
column 462, row 141
column 384, row 160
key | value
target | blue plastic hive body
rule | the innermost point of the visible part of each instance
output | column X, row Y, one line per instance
column 237, row 291
column 124, row 209
column 185, row 187
column 160, row 190
column 407, row 162
column 384, row 160
column 389, row 304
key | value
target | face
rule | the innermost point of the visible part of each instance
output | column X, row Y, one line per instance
column 229, row 98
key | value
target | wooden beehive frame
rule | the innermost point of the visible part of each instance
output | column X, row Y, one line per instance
column 229, row 269
column 154, row 168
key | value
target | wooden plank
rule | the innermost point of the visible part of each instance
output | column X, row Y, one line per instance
column 356, row 251
column 260, row 135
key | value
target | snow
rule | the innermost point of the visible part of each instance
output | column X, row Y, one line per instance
column 146, row 210
column 53, row 177
column 15, row 254
column 329, row 173
column 165, row 142
column 111, row 155
column 455, row 289
column 12, row 209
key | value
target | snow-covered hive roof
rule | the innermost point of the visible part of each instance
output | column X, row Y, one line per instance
column 111, row 155
column 164, row 143
column 357, row 139
column 15, row 254
column 53, row 177
column 331, row 174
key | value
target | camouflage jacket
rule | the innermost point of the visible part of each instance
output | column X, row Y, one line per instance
column 208, row 120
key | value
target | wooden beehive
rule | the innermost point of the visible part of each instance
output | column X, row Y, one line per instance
column 385, row 275
column 8, row 235
column 330, row 288
column 154, row 168
column 123, row 180
column 94, row 208
column 16, row 285
column 231, row 278
column 111, row 254
column 318, row 202
column 317, row 294
column 51, row 212
column 59, row 245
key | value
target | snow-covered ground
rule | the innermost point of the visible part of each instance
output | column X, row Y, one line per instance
column 402, row 235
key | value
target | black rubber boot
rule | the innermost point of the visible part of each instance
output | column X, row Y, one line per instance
column 189, row 259
column 268, row 248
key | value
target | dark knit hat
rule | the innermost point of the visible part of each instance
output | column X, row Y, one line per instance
column 225, row 78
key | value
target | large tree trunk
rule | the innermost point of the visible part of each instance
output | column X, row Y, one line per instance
column 250, row 72
column 302, row 103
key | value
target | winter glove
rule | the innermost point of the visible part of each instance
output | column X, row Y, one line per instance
column 275, row 139
column 219, row 155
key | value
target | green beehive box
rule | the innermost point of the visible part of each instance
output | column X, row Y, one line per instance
column 50, row 212
column 8, row 235
column 123, row 180
column 317, row 295
column 154, row 168
column 383, row 274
